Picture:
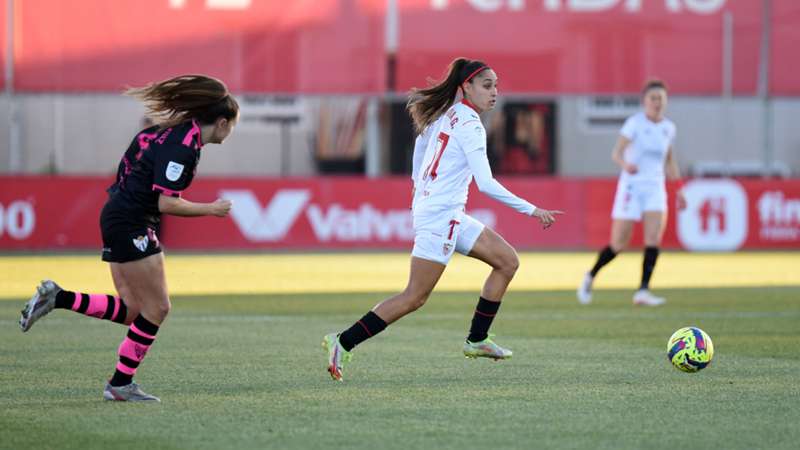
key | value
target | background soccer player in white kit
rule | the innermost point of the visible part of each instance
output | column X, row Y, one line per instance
column 449, row 151
column 643, row 150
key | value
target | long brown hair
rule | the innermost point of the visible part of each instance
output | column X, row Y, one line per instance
column 426, row 105
column 186, row 97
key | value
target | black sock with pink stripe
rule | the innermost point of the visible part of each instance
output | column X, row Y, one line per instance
column 482, row 320
column 101, row 306
column 368, row 326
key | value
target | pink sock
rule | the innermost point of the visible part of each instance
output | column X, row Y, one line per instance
column 101, row 306
column 141, row 335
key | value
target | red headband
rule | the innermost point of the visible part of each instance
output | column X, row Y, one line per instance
column 477, row 71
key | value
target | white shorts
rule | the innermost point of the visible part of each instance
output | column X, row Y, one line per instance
column 634, row 198
column 437, row 237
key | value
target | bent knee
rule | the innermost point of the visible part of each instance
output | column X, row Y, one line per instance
column 157, row 311
column 508, row 264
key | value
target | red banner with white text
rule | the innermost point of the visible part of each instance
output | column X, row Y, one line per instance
column 52, row 213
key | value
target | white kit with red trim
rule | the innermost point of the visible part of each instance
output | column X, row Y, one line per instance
column 442, row 175
column 447, row 155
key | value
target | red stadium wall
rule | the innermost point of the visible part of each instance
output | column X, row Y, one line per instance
column 3, row 43
column 569, row 46
column 338, row 46
column 784, row 63
column 306, row 46
column 52, row 213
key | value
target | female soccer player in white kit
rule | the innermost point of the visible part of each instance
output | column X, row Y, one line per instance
column 643, row 150
column 448, row 153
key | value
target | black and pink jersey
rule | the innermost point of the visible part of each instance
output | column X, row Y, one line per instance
column 158, row 161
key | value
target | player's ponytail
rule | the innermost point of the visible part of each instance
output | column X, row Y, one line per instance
column 185, row 97
column 426, row 105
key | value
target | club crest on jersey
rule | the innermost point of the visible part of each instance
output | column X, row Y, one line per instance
column 174, row 171
column 141, row 242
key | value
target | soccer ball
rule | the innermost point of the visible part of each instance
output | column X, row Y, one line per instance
column 690, row 349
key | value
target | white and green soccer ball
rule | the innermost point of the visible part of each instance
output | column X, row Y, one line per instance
column 690, row 349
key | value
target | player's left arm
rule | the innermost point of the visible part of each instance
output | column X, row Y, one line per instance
column 482, row 173
column 472, row 138
column 173, row 171
column 674, row 173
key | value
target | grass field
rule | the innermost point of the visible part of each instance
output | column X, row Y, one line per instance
column 245, row 369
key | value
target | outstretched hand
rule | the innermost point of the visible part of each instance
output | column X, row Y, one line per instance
column 546, row 217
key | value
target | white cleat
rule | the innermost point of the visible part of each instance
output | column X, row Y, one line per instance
column 585, row 289
column 128, row 393
column 643, row 297
column 42, row 302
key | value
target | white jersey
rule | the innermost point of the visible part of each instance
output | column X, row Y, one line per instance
column 442, row 180
column 650, row 142
column 446, row 156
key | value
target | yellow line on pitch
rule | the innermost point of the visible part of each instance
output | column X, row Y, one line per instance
column 387, row 272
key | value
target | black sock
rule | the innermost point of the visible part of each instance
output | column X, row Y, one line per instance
column 65, row 299
column 368, row 326
column 604, row 257
column 482, row 319
column 120, row 379
column 649, row 263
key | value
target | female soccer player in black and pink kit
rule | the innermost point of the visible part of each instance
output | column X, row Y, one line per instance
column 160, row 163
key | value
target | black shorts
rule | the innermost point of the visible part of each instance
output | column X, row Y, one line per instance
column 124, row 244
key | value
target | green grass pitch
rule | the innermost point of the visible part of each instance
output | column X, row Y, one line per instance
column 247, row 371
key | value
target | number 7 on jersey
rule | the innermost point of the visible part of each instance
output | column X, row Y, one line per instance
column 441, row 144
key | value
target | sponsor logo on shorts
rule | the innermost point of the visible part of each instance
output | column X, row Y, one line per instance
column 141, row 242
